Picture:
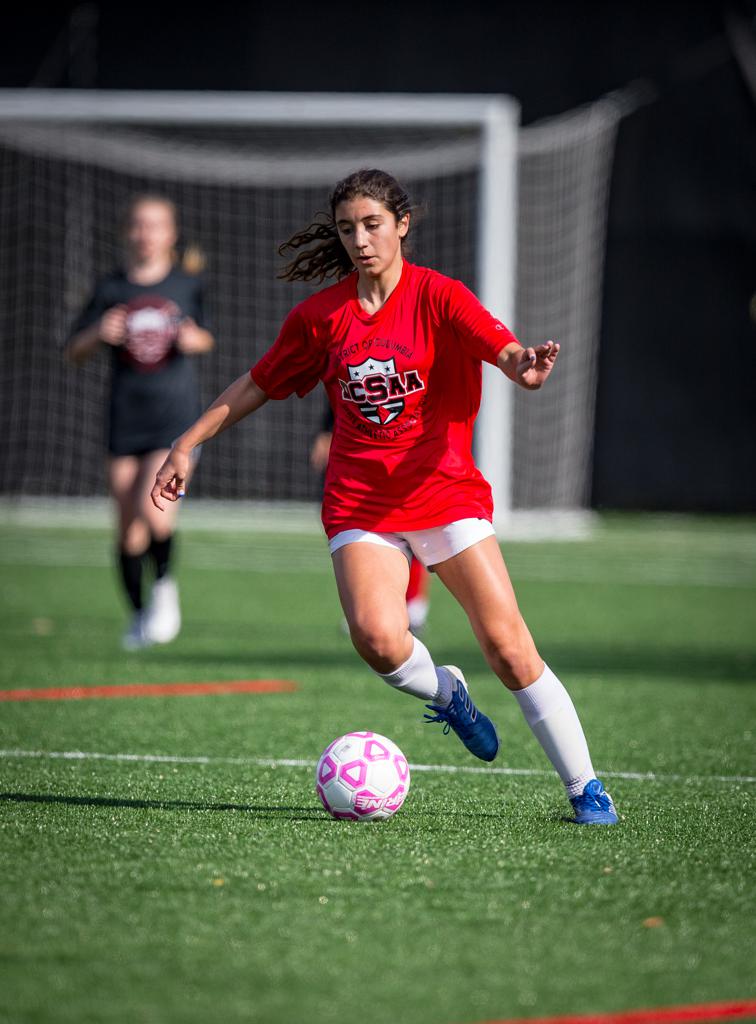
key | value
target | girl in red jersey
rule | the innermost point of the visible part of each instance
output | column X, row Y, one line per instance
column 399, row 348
column 417, row 599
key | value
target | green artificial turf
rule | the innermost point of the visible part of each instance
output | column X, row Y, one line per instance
column 200, row 891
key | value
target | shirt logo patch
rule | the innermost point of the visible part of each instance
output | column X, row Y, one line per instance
column 378, row 389
column 152, row 324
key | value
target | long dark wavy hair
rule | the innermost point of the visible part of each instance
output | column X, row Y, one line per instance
column 322, row 253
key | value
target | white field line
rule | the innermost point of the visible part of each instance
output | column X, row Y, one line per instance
column 289, row 762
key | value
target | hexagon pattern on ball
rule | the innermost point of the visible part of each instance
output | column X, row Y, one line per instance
column 362, row 776
column 327, row 769
column 353, row 773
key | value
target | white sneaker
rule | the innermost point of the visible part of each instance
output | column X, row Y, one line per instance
column 135, row 638
column 163, row 615
column 417, row 612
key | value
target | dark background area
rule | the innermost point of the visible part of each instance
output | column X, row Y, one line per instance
column 676, row 416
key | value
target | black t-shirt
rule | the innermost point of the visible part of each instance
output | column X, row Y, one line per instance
column 154, row 393
column 326, row 424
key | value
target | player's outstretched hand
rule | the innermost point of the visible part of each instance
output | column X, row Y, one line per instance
column 170, row 482
column 535, row 364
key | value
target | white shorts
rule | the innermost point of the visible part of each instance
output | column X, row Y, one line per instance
column 429, row 546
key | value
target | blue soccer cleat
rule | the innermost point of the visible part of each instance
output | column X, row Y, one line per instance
column 475, row 729
column 594, row 806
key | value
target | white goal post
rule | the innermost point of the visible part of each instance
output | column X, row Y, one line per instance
column 530, row 261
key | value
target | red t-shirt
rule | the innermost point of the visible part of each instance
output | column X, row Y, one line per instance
column 404, row 385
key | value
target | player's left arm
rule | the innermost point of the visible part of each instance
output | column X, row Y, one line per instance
column 193, row 339
column 528, row 367
column 487, row 338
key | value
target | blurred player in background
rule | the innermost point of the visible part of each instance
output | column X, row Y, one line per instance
column 399, row 349
column 149, row 316
column 418, row 604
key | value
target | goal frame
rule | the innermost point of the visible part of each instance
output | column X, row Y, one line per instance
column 497, row 117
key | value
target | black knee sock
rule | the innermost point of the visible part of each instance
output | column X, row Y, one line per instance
column 131, row 575
column 161, row 554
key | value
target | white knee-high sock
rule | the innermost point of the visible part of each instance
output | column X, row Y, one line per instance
column 551, row 715
column 419, row 676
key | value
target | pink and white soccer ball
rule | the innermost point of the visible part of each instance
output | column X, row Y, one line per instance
column 362, row 776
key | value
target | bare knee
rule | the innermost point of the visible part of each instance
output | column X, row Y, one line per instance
column 134, row 535
column 160, row 524
column 383, row 645
column 512, row 655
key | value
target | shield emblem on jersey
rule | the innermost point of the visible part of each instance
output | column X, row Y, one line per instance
column 152, row 324
column 388, row 410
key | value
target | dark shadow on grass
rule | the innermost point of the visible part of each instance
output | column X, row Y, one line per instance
column 678, row 663
column 259, row 810
column 272, row 812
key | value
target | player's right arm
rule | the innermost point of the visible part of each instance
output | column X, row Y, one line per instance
column 238, row 400
column 110, row 328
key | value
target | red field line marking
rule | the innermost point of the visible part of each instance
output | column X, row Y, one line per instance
column 662, row 1015
column 151, row 690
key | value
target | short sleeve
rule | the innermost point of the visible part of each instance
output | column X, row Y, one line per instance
column 198, row 312
column 481, row 334
column 99, row 302
column 294, row 363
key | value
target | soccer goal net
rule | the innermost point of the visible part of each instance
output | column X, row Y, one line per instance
column 517, row 214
